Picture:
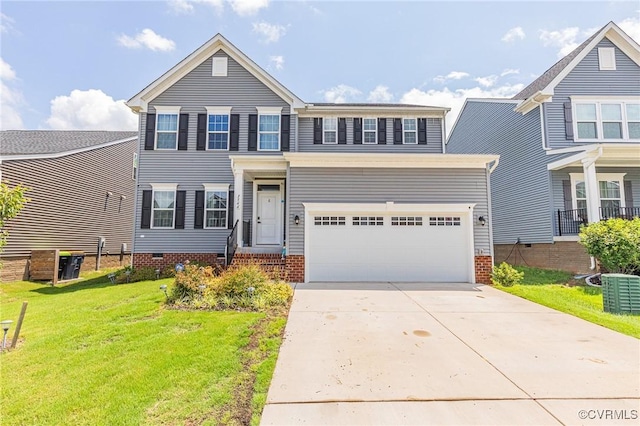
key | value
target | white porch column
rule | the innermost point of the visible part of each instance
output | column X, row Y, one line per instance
column 238, row 187
column 591, row 186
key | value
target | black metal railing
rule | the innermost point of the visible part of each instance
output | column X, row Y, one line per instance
column 232, row 244
column 246, row 233
column 570, row 221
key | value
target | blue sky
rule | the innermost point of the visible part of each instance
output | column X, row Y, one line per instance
column 71, row 65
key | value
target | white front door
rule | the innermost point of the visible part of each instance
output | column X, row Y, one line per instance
column 268, row 218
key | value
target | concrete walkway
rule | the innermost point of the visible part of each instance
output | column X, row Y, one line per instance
column 454, row 354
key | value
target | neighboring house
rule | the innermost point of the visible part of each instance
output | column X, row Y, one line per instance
column 81, row 185
column 229, row 157
column 570, row 151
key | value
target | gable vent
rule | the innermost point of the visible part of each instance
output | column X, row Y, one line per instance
column 219, row 68
column 607, row 58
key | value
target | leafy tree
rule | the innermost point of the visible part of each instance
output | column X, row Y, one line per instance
column 12, row 200
column 615, row 243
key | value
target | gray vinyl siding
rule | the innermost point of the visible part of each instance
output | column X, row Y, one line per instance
column 434, row 139
column 520, row 185
column 587, row 79
column 69, row 208
column 364, row 185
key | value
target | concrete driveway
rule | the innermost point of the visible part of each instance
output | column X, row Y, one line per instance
column 446, row 354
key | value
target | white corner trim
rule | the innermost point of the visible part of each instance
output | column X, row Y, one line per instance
column 218, row 110
column 164, row 186
column 269, row 110
column 160, row 109
column 210, row 187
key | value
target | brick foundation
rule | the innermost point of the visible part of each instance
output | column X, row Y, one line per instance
column 295, row 268
column 170, row 259
column 271, row 263
column 567, row 256
column 483, row 267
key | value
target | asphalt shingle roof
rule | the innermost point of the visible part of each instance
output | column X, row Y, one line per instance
column 28, row 142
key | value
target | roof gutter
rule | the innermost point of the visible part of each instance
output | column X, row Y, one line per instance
column 533, row 102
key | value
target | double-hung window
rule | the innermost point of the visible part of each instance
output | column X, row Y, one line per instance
column 330, row 130
column 608, row 120
column 410, row 131
column 218, row 128
column 269, row 129
column 216, row 205
column 164, row 206
column 370, row 130
column 610, row 192
column 167, row 127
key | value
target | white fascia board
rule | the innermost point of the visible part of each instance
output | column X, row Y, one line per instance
column 389, row 111
column 210, row 187
column 64, row 153
column 581, row 148
column 372, row 160
column 164, row 186
column 533, row 101
column 218, row 110
column 258, row 162
column 388, row 207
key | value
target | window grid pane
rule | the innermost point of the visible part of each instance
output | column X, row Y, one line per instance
column 587, row 131
column 163, row 199
column 162, row 218
column 586, row 112
column 167, row 122
column 216, row 209
column 611, row 112
column 609, row 189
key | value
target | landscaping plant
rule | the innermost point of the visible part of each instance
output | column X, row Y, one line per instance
column 615, row 243
column 506, row 275
column 12, row 200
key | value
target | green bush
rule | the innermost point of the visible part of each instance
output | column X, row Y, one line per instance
column 506, row 275
column 132, row 275
column 615, row 243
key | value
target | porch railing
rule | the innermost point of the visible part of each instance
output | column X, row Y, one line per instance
column 570, row 221
column 232, row 244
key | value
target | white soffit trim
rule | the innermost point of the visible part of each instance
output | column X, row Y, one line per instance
column 164, row 186
column 390, row 111
column 64, row 153
column 208, row 187
column 218, row 110
column 608, row 155
column 160, row 109
column 269, row 110
column 372, row 160
column 533, row 101
column 388, row 207
column 258, row 162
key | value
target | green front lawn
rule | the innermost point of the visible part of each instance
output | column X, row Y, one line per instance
column 549, row 288
column 96, row 353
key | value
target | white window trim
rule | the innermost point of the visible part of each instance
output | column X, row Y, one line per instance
column 174, row 110
column 404, row 142
column 223, row 60
column 324, row 121
column 601, row 177
column 214, row 187
column 162, row 187
column 270, row 111
column 219, row 111
column 605, row 52
column 375, row 139
column 598, row 101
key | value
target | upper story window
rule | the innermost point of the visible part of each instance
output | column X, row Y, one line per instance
column 410, row 131
column 330, row 130
column 215, row 206
column 167, row 127
column 218, row 128
column 269, row 129
column 164, row 206
column 600, row 120
column 370, row 130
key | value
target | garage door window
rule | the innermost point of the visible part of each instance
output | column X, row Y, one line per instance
column 444, row 221
column 406, row 221
column 368, row 221
column 329, row 220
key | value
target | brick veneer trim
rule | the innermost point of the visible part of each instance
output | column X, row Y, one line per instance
column 170, row 259
column 569, row 256
column 483, row 268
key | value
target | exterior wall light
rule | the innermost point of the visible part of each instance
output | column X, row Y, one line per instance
column 297, row 220
column 482, row 220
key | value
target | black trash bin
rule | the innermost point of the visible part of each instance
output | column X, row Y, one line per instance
column 63, row 263
column 70, row 263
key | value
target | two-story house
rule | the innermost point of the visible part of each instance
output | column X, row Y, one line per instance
column 570, row 151
column 232, row 162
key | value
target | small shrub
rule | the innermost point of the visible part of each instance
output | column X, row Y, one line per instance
column 131, row 275
column 235, row 282
column 615, row 243
column 277, row 293
column 506, row 275
column 187, row 283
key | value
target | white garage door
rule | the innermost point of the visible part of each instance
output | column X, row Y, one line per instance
column 429, row 247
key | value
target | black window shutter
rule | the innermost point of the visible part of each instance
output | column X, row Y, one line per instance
column 397, row 131
column 183, row 132
column 357, row 130
column 422, row 131
column 566, row 193
column 201, row 142
column 382, row 131
column 317, row 131
column 234, row 135
column 181, row 197
column 198, row 219
column 150, row 133
column 285, row 130
column 628, row 194
column 145, row 222
column 253, row 132
column 230, row 208
column 342, row 131
column 568, row 121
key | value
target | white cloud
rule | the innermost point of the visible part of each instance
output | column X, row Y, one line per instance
column 631, row 26
column 487, row 81
column 454, row 99
column 270, row 32
column 341, row 94
column 509, row 71
column 515, row 33
column 90, row 110
column 181, row 6
column 564, row 39
column 453, row 75
column 248, row 7
column 149, row 39
column 10, row 98
column 6, row 23
column 277, row 61
column 380, row 94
